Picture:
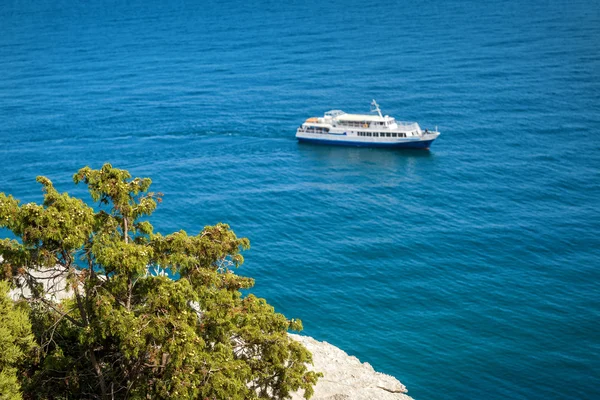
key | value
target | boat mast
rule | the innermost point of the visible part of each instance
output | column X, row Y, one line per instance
column 375, row 107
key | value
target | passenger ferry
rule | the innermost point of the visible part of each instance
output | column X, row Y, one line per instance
column 338, row 128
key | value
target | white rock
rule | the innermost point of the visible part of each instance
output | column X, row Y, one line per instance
column 345, row 377
column 53, row 280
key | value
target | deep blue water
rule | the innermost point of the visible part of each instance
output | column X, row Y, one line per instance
column 468, row 271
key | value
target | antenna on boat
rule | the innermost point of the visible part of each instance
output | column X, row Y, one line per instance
column 375, row 107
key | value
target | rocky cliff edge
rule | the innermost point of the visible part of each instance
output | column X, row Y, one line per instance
column 346, row 378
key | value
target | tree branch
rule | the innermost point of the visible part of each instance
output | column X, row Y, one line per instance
column 62, row 314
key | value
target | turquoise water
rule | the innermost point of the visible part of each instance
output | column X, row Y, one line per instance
column 467, row 271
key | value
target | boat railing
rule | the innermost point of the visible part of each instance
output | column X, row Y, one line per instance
column 334, row 113
column 407, row 125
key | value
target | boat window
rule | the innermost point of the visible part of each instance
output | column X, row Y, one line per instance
column 368, row 133
column 394, row 134
column 388, row 134
column 375, row 134
column 316, row 129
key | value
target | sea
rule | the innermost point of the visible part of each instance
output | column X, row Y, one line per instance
column 467, row 271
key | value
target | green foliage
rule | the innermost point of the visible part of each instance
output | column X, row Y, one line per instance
column 16, row 341
column 127, row 332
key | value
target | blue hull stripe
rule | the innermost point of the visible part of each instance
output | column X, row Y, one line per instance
column 425, row 144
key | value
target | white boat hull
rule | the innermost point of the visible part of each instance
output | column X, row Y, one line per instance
column 416, row 142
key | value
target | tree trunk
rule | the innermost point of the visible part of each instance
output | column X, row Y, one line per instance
column 129, row 280
column 96, row 366
column 125, row 230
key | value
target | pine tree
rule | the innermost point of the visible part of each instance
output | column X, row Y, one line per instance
column 16, row 341
column 151, row 316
